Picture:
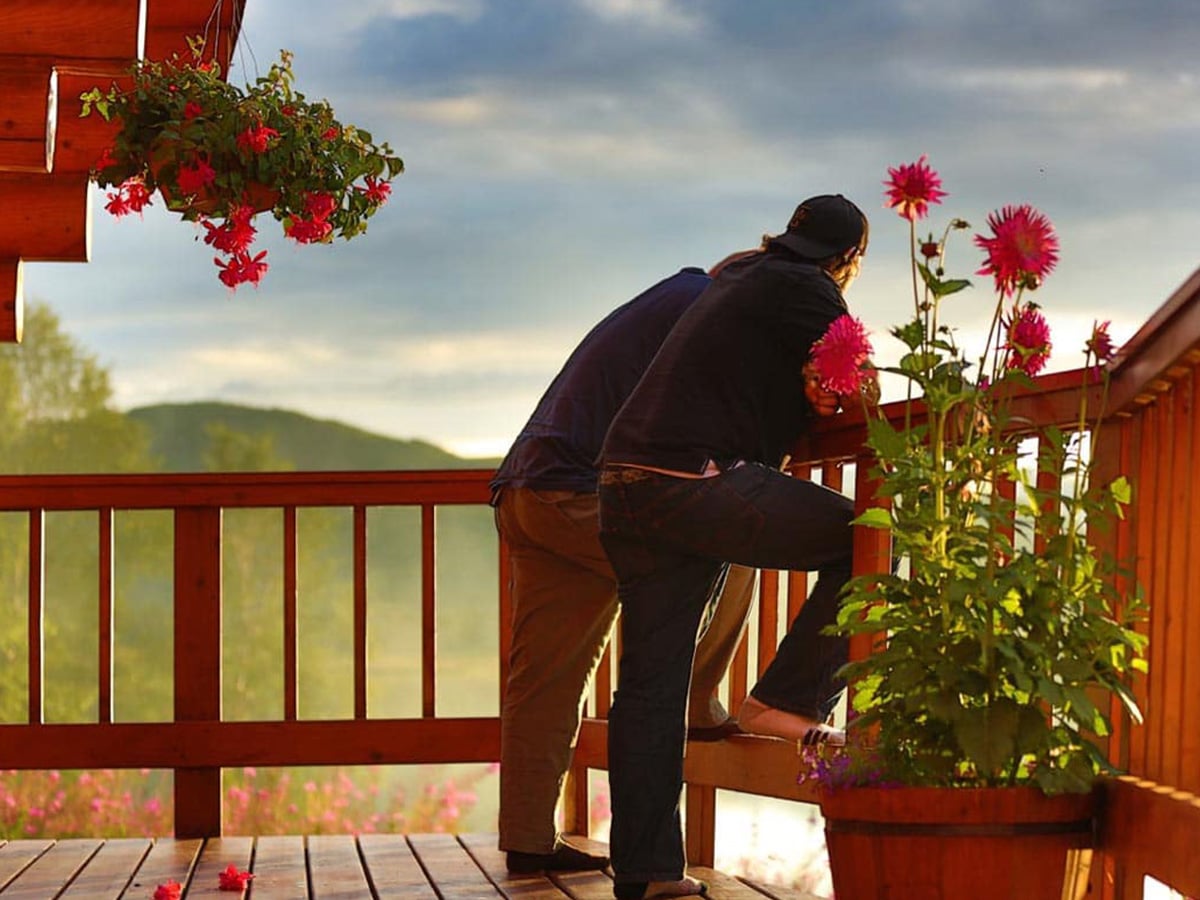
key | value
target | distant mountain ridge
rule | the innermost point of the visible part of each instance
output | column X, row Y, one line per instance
column 178, row 436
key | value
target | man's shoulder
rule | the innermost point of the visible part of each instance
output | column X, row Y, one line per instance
column 784, row 278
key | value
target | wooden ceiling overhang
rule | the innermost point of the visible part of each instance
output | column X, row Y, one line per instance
column 51, row 51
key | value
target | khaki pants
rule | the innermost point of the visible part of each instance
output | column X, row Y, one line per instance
column 564, row 595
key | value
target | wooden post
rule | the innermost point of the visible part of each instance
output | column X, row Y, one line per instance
column 576, row 818
column 701, row 825
column 197, row 660
column 12, row 301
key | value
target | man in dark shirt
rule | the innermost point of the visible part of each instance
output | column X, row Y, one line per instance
column 690, row 480
column 564, row 590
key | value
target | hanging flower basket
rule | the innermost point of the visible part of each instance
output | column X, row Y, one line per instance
column 219, row 155
column 207, row 201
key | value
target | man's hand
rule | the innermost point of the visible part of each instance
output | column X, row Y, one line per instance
column 823, row 402
column 868, row 391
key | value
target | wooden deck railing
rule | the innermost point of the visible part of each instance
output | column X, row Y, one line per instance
column 199, row 740
column 1151, row 433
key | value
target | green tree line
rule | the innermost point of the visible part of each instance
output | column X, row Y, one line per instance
column 57, row 415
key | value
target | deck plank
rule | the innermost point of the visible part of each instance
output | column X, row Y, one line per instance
column 15, row 856
column 214, row 857
column 451, row 868
column 317, row 867
column 725, row 887
column 110, row 870
column 336, row 869
column 393, row 870
column 52, row 870
column 169, row 859
column 584, row 885
column 280, row 868
column 781, row 892
column 490, row 858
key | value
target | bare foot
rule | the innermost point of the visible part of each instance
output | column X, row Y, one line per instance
column 644, row 890
column 755, row 717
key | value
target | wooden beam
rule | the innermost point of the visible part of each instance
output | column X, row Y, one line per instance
column 45, row 218
column 27, row 118
column 169, row 24
column 12, row 304
column 90, row 29
column 80, row 141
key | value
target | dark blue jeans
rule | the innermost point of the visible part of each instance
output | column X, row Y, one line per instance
column 668, row 540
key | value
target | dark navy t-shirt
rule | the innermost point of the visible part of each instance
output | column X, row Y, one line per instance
column 557, row 448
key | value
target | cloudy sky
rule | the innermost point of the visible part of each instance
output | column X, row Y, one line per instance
column 562, row 155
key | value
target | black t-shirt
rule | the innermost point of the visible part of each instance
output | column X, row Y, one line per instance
column 557, row 448
column 727, row 383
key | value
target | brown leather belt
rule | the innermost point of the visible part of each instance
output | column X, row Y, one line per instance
column 624, row 475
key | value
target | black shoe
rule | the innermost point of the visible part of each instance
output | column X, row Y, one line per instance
column 636, row 890
column 565, row 858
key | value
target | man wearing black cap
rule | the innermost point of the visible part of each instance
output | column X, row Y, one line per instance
column 690, row 480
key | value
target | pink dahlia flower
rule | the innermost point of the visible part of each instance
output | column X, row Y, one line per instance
column 912, row 187
column 1023, row 249
column 841, row 354
column 1028, row 342
column 1100, row 344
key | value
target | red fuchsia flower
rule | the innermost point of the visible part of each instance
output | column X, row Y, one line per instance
column 912, row 187
column 171, row 890
column 841, row 354
column 235, row 234
column 376, row 191
column 240, row 268
column 130, row 197
column 1023, row 249
column 105, row 160
column 1028, row 344
column 1100, row 344
column 230, row 879
column 308, row 231
column 256, row 138
column 196, row 177
column 331, row 133
column 320, row 206
column 191, row 109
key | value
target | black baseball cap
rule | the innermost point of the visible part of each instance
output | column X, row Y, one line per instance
column 824, row 226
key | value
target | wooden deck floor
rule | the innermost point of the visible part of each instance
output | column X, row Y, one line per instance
column 320, row 867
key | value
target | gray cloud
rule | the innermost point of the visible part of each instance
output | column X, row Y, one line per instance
column 563, row 154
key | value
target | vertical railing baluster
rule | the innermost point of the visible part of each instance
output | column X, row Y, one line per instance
column 1174, row 720
column 428, row 612
column 1165, row 622
column 797, row 582
column 1189, row 602
column 504, row 574
column 360, row 612
column 106, row 624
column 197, row 660
column 36, row 614
column 872, row 546
column 768, row 624
column 290, row 631
column 739, row 666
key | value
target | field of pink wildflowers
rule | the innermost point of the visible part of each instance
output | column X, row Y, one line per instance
column 138, row 803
